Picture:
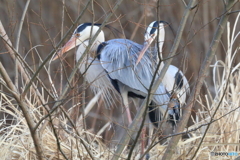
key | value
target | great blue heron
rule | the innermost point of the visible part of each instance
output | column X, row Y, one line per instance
column 174, row 80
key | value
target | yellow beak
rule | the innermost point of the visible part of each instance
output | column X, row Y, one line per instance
column 146, row 45
column 68, row 46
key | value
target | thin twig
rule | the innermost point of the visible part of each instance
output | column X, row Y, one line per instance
column 17, row 41
column 150, row 88
column 134, row 126
column 21, row 24
column 13, row 53
column 214, row 113
column 62, row 26
column 54, row 50
column 25, row 110
column 188, row 131
column 196, row 90
column 66, row 87
column 137, row 26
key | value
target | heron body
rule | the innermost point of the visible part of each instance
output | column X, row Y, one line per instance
column 118, row 57
column 174, row 80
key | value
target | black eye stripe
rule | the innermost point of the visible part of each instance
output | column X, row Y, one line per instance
column 154, row 28
column 83, row 26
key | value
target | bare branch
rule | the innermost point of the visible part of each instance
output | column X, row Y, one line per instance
column 17, row 41
column 134, row 126
column 53, row 51
column 21, row 24
column 26, row 112
column 203, row 73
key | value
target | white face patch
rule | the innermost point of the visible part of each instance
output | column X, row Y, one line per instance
column 84, row 32
column 149, row 31
column 85, row 28
column 90, row 31
column 152, row 31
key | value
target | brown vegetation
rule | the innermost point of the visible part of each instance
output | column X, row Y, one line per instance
column 69, row 131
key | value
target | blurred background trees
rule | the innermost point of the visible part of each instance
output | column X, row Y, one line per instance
column 45, row 23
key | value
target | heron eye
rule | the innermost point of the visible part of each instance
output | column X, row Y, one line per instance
column 77, row 34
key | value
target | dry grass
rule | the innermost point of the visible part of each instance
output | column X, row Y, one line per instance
column 223, row 134
column 16, row 141
column 220, row 105
column 222, row 108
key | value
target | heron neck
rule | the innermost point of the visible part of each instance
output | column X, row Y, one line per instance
column 83, row 46
column 159, row 49
column 100, row 38
column 160, row 42
column 81, row 49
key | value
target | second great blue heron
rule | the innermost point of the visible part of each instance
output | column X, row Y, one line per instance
column 174, row 80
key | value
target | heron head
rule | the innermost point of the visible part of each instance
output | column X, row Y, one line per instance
column 156, row 28
column 82, row 33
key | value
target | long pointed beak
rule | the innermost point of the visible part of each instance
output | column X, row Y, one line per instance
column 68, row 46
column 146, row 45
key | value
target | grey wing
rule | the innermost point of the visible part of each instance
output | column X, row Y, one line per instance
column 119, row 57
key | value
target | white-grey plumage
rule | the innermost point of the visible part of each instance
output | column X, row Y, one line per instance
column 90, row 66
column 118, row 59
column 96, row 76
column 174, row 80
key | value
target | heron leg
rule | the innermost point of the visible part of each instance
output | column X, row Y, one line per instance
column 126, row 105
column 143, row 137
column 136, row 102
column 150, row 133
